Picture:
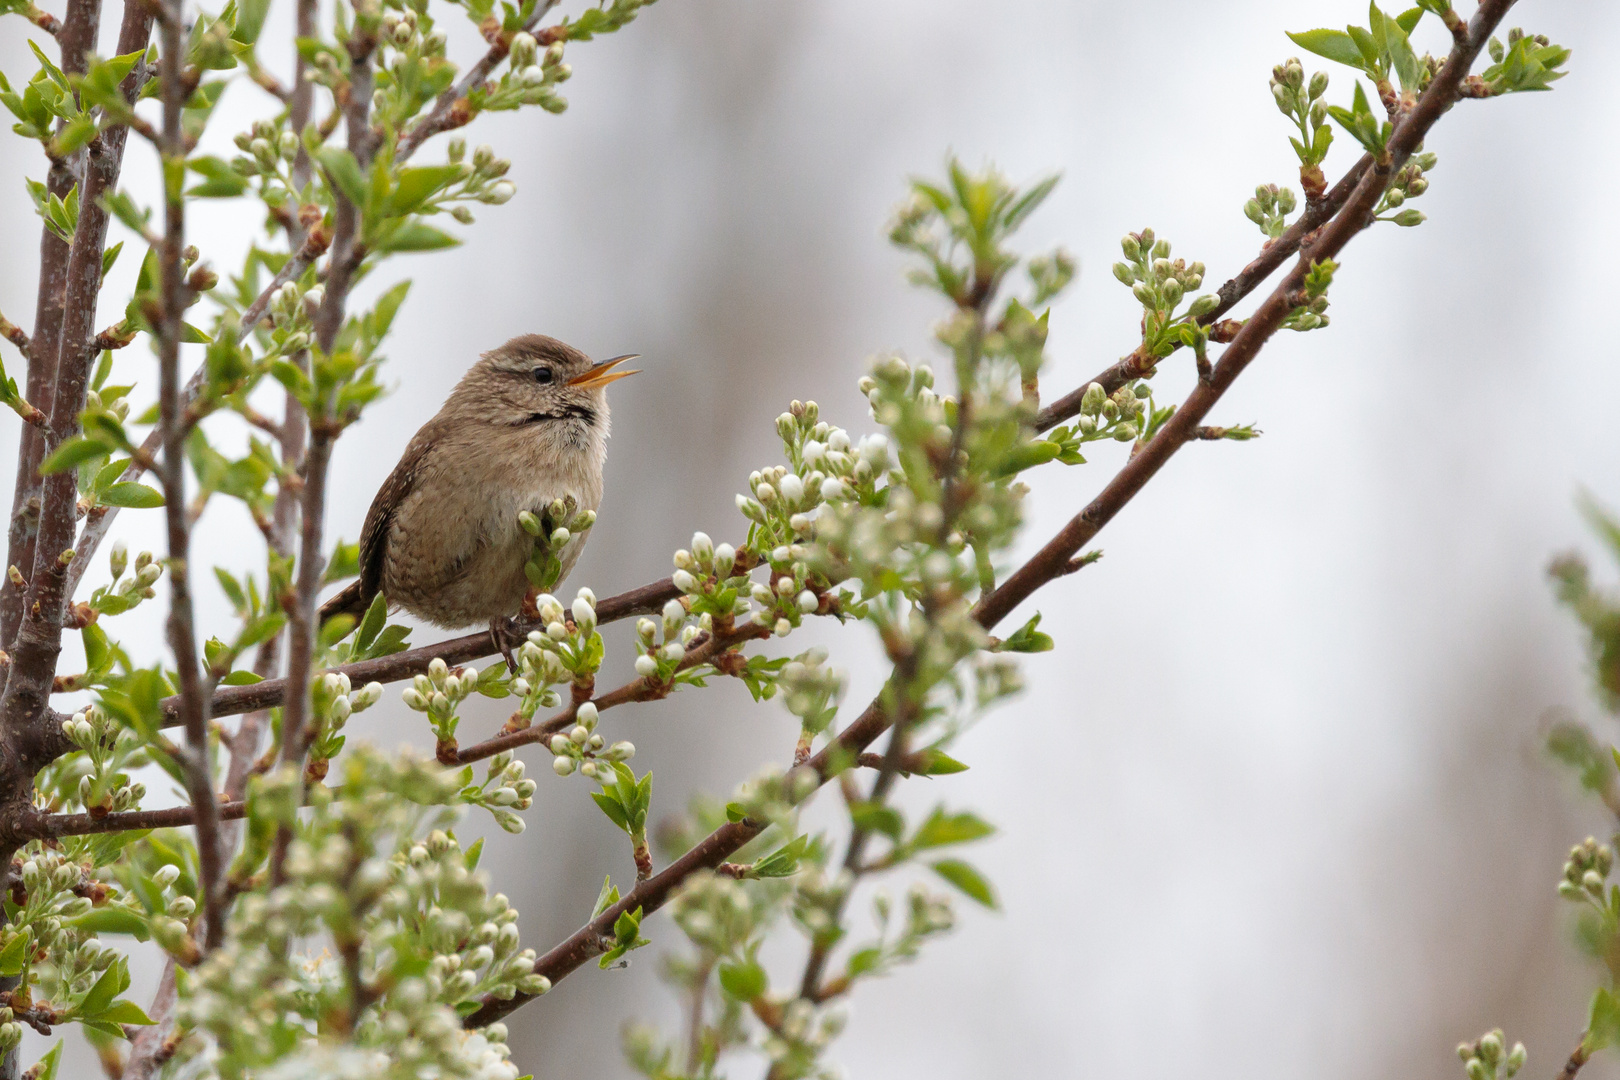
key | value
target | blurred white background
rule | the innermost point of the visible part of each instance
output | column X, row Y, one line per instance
column 1276, row 804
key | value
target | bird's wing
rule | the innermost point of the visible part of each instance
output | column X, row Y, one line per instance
column 380, row 518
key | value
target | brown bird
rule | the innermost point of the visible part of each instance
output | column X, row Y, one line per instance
column 526, row 425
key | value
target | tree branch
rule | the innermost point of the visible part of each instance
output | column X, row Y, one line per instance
column 1272, row 255
column 1047, row 564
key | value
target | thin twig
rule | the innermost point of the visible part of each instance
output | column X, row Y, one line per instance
column 452, row 109
column 182, row 632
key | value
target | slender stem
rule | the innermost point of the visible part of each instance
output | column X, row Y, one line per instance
column 182, row 632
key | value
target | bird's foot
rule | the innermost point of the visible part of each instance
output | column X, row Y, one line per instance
column 507, row 634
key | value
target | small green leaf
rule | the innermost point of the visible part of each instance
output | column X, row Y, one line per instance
column 876, row 817
column 1335, row 45
column 941, row 829
column 241, row 678
column 111, row 920
column 101, row 994
column 1603, row 1022
column 744, row 980
column 966, row 878
column 46, row 1069
column 132, row 495
column 124, row 1012
column 71, row 454
column 12, row 956
column 416, row 236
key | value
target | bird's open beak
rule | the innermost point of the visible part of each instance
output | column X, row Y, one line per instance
column 601, row 374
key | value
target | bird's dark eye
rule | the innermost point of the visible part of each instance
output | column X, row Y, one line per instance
column 542, row 375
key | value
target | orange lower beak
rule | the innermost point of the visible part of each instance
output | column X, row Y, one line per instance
column 601, row 374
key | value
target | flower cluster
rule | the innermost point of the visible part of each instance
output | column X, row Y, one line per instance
column 333, row 701
column 371, row 873
column 1488, row 1059
column 553, row 530
column 121, row 594
column 1410, row 181
column 439, row 693
column 581, row 748
column 97, row 777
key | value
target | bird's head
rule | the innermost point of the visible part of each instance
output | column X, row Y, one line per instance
column 534, row 379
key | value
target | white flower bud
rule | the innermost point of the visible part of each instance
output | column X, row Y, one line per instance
column 556, row 631
column 725, row 557
column 765, row 493
column 560, row 536
column 645, row 665
column 832, row 489
column 674, row 652
column 499, row 192
column 586, row 714
column 702, row 546
column 792, row 488
column 165, row 875
column 562, row 765
column 685, row 582
column 438, row 670
column 584, row 615
column 559, row 744
column 783, row 628
column 813, row 452
column 808, row 602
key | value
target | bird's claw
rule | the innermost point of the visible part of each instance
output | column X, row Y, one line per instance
column 503, row 629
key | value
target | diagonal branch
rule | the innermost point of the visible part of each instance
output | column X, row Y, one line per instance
column 1050, row 561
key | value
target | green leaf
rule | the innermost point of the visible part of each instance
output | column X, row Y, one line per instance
column 111, row 920
column 241, row 678
column 416, row 236
column 71, row 454
column 966, row 878
column 938, row 763
column 1335, row 45
column 46, row 1069
column 416, row 186
column 1408, row 19
column 1603, row 1022
column 344, row 173
column 249, row 20
column 606, row 898
column 101, row 994
column 782, row 862
column 124, row 1012
column 743, row 980
column 941, row 829
column 96, row 647
column 13, row 955
column 627, row 926
column 876, row 817
column 372, row 623
column 610, row 806
column 132, row 495
column 1027, row 639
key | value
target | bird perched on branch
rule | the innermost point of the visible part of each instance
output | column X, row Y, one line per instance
column 527, row 424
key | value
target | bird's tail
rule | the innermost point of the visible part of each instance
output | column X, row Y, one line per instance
column 351, row 601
